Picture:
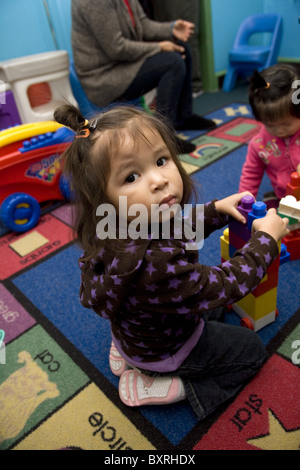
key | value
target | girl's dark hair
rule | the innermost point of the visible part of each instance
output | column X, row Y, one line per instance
column 87, row 160
column 270, row 93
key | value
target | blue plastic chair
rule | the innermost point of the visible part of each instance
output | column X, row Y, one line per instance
column 86, row 107
column 245, row 58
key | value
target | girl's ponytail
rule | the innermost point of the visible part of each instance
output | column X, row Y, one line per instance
column 258, row 81
column 69, row 116
column 270, row 93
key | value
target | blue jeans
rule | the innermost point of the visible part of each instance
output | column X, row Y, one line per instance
column 224, row 360
column 172, row 76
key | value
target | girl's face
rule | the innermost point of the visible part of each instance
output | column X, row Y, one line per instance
column 284, row 128
column 145, row 173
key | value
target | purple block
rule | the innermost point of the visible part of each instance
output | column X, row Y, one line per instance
column 245, row 205
column 239, row 229
column 14, row 319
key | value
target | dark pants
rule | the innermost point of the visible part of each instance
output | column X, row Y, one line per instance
column 224, row 360
column 172, row 76
column 171, row 10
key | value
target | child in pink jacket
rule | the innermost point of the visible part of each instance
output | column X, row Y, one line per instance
column 275, row 149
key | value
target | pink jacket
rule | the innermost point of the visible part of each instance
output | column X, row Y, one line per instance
column 278, row 157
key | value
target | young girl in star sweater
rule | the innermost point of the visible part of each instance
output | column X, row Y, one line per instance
column 160, row 300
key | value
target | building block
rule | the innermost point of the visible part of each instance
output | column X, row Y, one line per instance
column 235, row 241
column 292, row 242
column 269, row 281
column 284, row 254
column 289, row 207
column 245, row 206
column 232, row 250
column 259, row 210
column 255, row 325
column 293, row 187
column 239, row 229
column 242, row 230
column 224, row 242
column 258, row 308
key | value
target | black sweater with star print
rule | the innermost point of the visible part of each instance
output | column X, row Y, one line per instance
column 154, row 291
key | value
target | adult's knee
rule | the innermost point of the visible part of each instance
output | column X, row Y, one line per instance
column 177, row 64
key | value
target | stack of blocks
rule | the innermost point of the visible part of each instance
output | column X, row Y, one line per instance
column 290, row 207
column 258, row 308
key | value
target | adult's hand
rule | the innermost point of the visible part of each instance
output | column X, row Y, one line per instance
column 183, row 29
column 169, row 46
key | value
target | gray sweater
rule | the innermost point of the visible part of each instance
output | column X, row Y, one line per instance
column 108, row 50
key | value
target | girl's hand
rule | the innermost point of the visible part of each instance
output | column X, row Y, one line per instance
column 298, row 169
column 228, row 206
column 272, row 224
column 183, row 30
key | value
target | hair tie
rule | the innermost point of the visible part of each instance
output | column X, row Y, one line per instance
column 88, row 128
column 85, row 132
column 267, row 86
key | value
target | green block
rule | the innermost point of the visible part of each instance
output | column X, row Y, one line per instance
column 291, row 219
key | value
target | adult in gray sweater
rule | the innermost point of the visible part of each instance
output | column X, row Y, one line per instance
column 121, row 54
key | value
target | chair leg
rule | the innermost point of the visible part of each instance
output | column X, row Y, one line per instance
column 230, row 79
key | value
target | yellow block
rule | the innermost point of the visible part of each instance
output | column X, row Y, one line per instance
column 258, row 307
column 224, row 241
column 29, row 243
column 90, row 421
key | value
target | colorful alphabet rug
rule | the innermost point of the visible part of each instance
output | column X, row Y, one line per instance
column 56, row 387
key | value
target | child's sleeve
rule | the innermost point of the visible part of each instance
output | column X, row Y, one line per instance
column 212, row 219
column 183, row 284
column 252, row 172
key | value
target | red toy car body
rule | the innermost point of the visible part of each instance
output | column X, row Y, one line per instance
column 30, row 174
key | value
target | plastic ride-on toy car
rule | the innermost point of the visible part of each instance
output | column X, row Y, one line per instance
column 31, row 171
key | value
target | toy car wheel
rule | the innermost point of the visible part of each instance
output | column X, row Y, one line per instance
column 20, row 212
column 246, row 323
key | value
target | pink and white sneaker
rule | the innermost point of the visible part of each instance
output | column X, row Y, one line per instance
column 117, row 363
column 136, row 389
